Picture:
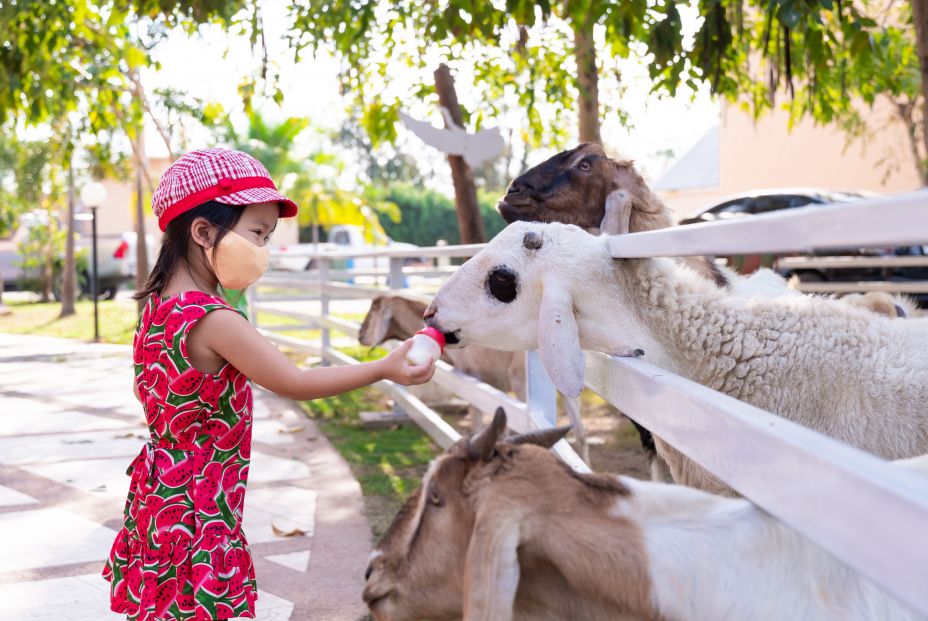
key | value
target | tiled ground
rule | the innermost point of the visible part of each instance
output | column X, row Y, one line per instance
column 70, row 425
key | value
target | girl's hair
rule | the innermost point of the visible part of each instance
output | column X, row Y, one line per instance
column 176, row 241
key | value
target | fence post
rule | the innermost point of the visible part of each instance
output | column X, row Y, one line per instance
column 540, row 394
column 251, row 297
column 324, row 304
column 396, row 273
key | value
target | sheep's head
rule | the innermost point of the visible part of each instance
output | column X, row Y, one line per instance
column 390, row 317
column 574, row 187
column 417, row 570
column 518, row 294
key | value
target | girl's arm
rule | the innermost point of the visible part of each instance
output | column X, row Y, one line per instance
column 235, row 340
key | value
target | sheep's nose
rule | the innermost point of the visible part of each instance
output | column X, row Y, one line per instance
column 368, row 572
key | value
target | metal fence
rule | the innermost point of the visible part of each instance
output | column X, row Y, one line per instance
column 870, row 514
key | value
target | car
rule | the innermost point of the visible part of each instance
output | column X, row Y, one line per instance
column 341, row 238
column 765, row 201
column 115, row 258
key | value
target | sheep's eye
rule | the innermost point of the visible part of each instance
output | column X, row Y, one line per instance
column 435, row 498
column 584, row 165
column 502, row 284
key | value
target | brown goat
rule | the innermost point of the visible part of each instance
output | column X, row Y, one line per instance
column 585, row 187
column 501, row 530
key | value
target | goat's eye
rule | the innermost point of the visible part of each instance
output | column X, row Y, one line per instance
column 435, row 498
column 503, row 284
column 584, row 165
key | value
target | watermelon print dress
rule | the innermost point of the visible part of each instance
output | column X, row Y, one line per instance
column 181, row 554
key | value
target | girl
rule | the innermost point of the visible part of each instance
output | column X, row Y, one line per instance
column 181, row 554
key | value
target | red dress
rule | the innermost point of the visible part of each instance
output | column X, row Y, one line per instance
column 181, row 554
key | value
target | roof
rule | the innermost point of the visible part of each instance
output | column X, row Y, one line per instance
column 697, row 168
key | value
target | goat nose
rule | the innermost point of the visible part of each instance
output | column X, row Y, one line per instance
column 429, row 312
column 368, row 572
column 515, row 187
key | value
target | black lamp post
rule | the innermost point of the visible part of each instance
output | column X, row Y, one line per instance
column 93, row 196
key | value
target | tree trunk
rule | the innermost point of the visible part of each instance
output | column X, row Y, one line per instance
column 587, row 82
column 4, row 309
column 69, row 273
column 141, row 243
column 920, row 18
column 465, row 190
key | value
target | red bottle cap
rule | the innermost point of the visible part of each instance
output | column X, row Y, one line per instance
column 434, row 334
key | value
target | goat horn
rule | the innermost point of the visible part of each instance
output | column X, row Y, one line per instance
column 532, row 240
column 543, row 437
column 483, row 443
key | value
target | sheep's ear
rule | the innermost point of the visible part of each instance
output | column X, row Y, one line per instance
column 545, row 438
column 618, row 213
column 559, row 339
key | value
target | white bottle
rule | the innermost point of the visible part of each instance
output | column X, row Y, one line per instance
column 426, row 343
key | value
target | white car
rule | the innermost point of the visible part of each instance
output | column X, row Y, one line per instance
column 343, row 239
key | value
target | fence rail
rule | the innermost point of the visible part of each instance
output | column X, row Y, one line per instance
column 832, row 493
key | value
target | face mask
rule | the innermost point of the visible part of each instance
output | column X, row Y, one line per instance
column 237, row 262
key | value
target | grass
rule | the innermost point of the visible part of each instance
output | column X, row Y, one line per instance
column 117, row 320
column 388, row 463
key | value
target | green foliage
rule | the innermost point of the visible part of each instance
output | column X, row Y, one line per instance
column 40, row 256
column 309, row 178
column 428, row 216
column 519, row 51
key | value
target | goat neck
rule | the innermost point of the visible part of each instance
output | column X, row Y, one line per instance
column 723, row 559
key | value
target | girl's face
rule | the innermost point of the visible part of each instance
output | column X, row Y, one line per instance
column 258, row 222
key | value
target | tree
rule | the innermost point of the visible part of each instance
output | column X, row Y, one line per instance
column 541, row 55
column 309, row 177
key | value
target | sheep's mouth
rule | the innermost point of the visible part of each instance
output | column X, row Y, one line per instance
column 452, row 338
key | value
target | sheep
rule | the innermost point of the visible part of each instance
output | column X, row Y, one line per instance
column 585, row 187
column 398, row 317
column 501, row 530
column 841, row 370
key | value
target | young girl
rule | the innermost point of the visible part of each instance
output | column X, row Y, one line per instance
column 181, row 554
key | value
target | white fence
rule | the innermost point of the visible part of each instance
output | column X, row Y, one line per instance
column 868, row 513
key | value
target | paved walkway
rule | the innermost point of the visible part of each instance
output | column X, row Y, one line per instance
column 70, row 425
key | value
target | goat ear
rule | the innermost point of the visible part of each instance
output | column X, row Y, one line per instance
column 618, row 213
column 545, row 438
column 559, row 339
column 376, row 325
column 481, row 445
column 491, row 574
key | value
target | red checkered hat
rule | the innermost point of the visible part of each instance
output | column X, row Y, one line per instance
column 220, row 175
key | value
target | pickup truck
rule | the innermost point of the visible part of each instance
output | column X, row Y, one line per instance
column 115, row 257
column 341, row 238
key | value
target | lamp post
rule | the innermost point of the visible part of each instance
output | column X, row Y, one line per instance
column 92, row 196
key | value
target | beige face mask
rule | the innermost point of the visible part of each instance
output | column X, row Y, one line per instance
column 237, row 262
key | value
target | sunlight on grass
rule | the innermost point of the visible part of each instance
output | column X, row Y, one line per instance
column 118, row 319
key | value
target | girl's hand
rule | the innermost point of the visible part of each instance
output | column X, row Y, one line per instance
column 395, row 367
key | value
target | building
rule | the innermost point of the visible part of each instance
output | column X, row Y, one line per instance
column 741, row 154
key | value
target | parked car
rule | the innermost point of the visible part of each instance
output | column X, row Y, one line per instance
column 341, row 237
column 764, row 201
column 115, row 258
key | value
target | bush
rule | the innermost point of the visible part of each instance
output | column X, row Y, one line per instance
column 428, row 216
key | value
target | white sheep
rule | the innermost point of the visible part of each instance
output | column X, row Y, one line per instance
column 501, row 530
column 841, row 370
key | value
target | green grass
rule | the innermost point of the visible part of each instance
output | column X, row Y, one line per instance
column 388, row 463
column 117, row 320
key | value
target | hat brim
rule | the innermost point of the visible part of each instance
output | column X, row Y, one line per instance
column 252, row 196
